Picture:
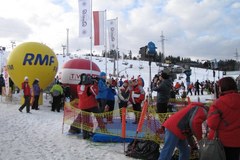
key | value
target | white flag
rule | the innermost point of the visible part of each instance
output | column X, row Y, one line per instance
column 85, row 22
column 112, row 33
column 98, row 20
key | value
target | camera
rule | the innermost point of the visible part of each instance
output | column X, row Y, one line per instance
column 88, row 79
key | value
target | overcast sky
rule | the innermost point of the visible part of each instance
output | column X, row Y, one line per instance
column 199, row 29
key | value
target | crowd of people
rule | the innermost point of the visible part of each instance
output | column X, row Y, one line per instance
column 98, row 96
column 221, row 116
column 184, row 129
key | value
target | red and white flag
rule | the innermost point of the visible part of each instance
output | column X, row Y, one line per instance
column 85, row 22
column 112, row 26
column 99, row 20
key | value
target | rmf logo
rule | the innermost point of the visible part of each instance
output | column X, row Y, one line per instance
column 31, row 59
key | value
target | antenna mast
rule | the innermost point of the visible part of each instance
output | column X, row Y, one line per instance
column 162, row 42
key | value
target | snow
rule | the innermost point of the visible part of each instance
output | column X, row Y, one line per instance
column 39, row 135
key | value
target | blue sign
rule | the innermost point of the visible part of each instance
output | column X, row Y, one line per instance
column 152, row 48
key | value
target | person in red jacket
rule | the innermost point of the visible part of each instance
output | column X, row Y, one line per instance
column 225, row 112
column 27, row 95
column 180, row 129
column 137, row 96
column 87, row 91
column 123, row 96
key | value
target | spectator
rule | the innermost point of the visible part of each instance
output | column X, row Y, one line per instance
column 177, row 87
column 26, row 90
column 180, row 129
column 87, row 102
column 137, row 96
column 102, row 92
column 123, row 96
column 11, row 85
column 57, row 92
column 202, row 87
column 2, row 83
column 120, row 82
column 189, row 88
column 36, row 93
column 182, row 85
column 197, row 87
column 163, row 88
column 140, row 81
column 110, row 100
column 224, row 113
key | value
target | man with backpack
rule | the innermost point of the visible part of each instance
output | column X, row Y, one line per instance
column 57, row 92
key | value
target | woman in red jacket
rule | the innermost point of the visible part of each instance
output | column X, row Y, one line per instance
column 225, row 112
column 27, row 95
column 179, row 129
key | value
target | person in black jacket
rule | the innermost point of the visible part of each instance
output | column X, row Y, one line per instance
column 2, row 83
column 162, row 86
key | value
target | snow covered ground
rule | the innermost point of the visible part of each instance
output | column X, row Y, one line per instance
column 38, row 136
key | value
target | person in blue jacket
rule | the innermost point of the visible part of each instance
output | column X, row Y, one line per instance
column 102, row 92
column 111, row 92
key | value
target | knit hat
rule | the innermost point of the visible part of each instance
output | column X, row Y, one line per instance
column 227, row 84
column 126, row 81
column 102, row 74
column 25, row 78
column 164, row 75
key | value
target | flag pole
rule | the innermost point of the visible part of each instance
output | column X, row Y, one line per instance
column 117, row 45
column 105, row 39
column 91, row 41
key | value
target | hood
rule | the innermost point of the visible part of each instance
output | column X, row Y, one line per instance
column 231, row 100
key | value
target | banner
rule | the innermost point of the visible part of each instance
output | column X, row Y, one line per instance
column 6, row 79
column 85, row 22
column 98, row 20
column 112, row 26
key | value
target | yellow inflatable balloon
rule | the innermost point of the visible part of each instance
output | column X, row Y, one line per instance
column 34, row 60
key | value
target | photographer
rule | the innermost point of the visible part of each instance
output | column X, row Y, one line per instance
column 162, row 85
column 87, row 91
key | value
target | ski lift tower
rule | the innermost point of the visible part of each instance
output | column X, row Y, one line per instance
column 162, row 42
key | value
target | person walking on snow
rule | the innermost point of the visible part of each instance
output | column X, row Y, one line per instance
column 27, row 95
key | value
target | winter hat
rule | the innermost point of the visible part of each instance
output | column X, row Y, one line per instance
column 102, row 74
column 37, row 79
column 126, row 81
column 25, row 78
column 227, row 84
column 164, row 75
